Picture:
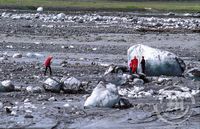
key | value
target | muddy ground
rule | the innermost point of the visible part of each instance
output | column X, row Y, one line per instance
column 88, row 49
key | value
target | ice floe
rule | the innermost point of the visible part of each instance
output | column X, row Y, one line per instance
column 158, row 62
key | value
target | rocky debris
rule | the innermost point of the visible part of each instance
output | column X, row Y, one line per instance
column 115, row 79
column 193, row 73
column 158, row 62
column 137, row 81
column 176, row 92
column 29, row 88
column 123, row 104
column 28, row 116
column 140, row 23
column 135, row 76
column 118, row 76
column 64, row 63
column 61, row 16
column 103, row 95
column 17, row 55
column 135, row 92
column 3, row 58
column 52, row 99
column 1, row 105
column 18, row 88
column 52, row 84
column 36, row 89
column 8, row 109
column 34, row 55
column 66, row 105
column 162, row 80
column 94, row 49
column 6, row 86
column 71, row 46
column 170, row 14
column 29, row 105
column 71, row 85
column 26, row 100
column 119, row 69
column 40, row 9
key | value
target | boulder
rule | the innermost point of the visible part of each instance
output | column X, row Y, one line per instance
column 6, row 86
column 17, row 55
column 71, row 85
column 34, row 55
column 163, row 80
column 29, row 88
column 61, row 16
column 3, row 58
column 119, row 69
column 138, row 81
column 158, row 62
column 103, row 95
column 124, row 103
column 40, row 9
column 170, row 14
column 52, row 84
column 36, row 89
column 116, row 79
column 1, row 105
column 193, row 73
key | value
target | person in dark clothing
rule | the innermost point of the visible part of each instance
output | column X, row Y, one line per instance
column 47, row 65
column 143, row 64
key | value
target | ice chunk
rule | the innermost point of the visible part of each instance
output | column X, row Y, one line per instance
column 134, row 92
column 71, row 84
column 40, row 9
column 138, row 81
column 158, row 62
column 6, row 86
column 17, row 55
column 103, row 96
column 193, row 73
column 34, row 55
column 36, row 89
column 66, row 105
column 1, row 105
column 61, row 16
column 52, row 84
column 163, row 79
column 109, row 70
column 52, row 99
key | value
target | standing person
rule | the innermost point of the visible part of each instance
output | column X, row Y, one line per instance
column 143, row 64
column 133, row 65
column 47, row 65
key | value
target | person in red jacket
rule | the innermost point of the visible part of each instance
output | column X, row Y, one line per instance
column 133, row 65
column 47, row 64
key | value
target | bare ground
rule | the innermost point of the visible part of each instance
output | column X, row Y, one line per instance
column 86, row 64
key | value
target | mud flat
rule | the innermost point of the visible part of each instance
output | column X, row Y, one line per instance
column 88, row 44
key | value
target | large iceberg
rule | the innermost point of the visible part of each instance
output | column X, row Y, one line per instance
column 158, row 62
column 103, row 96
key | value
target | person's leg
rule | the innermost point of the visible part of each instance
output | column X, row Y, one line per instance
column 130, row 71
column 45, row 71
column 143, row 69
column 50, row 70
